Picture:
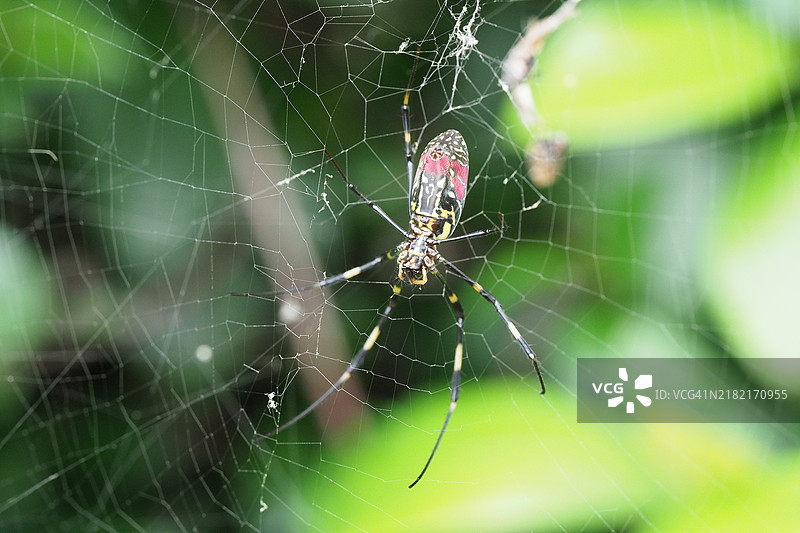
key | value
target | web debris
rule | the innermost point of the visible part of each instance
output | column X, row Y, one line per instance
column 546, row 151
column 463, row 39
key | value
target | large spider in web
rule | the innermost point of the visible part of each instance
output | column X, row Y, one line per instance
column 436, row 196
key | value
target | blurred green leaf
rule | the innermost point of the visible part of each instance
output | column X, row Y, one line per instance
column 631, row 72
column 67, row 40
column 753, row 255
column 760, row 498
column 510, row 461
column 56, row 45
column 25, row 290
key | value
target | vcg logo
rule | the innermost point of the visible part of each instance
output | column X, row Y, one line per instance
column 644, row 381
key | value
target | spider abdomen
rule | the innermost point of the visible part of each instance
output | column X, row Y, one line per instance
column 440, row 184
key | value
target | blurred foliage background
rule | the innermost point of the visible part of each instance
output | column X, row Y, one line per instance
column 155, row 157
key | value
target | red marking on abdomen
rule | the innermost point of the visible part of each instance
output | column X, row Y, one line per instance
column 460, row 177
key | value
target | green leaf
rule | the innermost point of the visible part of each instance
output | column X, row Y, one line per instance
column 50, row 49
column 25, row 290
column 754, row 255
column 70, row 41
column 762, row 500
column 511, row 460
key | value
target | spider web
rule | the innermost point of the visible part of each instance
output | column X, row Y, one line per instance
column 157, row 157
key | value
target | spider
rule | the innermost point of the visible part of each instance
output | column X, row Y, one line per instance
column 436, row 196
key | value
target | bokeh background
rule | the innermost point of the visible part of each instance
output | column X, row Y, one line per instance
column 157, row 156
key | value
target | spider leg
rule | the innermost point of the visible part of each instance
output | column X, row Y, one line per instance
column 405, row 111
column 455, row 386
column 479, row 233
column 500, row 311
column 348, row 274
column 354, row 364
column 407, row 139
column 369, row 202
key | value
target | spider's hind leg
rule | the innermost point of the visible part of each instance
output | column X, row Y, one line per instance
column 354, row 364
column 455, row 386
column 512, row 328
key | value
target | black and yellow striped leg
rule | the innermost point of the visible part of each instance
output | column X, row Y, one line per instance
column 349, row 274
column 455, row 387
column 354, row 364
column 499, row 308
column 480, row 233
column 405, row 112
column 474, row 234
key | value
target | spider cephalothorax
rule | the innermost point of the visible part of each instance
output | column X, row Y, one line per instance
column 418, row 256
